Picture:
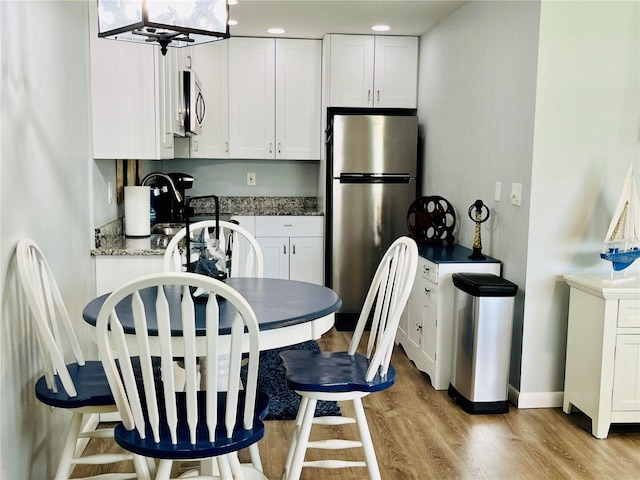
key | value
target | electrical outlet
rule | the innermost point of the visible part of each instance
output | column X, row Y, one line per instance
column 251, row 178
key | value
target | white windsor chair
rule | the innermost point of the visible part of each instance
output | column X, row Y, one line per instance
column 202, row 422
column 80, row 387
column 351, row 376
column 246, row 261
column 246, row 255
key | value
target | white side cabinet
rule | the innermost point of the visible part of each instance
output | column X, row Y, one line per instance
column 112, row 271
column 293, row 247
column 274, row 98
column 426, row 327
column 602, row 374
column 371, row 71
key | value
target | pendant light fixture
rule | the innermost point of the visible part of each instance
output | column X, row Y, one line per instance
column 174, row 23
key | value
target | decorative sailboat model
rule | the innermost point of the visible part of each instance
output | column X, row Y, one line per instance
column 622, row 244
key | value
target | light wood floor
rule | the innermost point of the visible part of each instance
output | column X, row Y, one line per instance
column 419, row 433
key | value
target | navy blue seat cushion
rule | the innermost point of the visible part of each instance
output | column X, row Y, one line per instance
column 203, row 448
column 90, row 382
column 331, row 372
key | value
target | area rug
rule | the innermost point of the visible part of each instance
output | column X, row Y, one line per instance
column 284, row 402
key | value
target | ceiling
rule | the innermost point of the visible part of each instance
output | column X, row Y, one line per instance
column 314, row 18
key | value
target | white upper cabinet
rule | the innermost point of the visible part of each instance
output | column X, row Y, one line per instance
column 210, row 61
column 274, row 98
column 251, row 97
column 371, row 71
column 298, row 89
column 131, row 117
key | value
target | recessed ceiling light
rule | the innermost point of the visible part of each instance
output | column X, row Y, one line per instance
column 276, row 31
column 232, row 22
column 381, row 28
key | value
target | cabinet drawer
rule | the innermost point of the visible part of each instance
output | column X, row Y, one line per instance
column 629, row 314
column 289, row 226
column 428, row 270
column 427, row 291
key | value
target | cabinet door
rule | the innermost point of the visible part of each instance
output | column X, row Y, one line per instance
column 125, row 100
column 351, row 70
column 626, row 376
column 298, row 75
column 178, row 58
column 396, row 72
column 275, row 251
column 306, row 259
column 211, row 62
column 251, row 98
column 429, row 339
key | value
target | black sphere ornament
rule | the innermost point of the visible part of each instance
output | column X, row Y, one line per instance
column 477, row 216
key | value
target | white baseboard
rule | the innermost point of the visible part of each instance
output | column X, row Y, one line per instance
column 535, row 399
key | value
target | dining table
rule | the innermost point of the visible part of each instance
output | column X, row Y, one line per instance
column 288, row 311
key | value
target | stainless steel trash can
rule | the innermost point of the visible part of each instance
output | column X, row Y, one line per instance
column 483, row 322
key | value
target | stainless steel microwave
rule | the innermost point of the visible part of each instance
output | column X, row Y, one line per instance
column 194, row 105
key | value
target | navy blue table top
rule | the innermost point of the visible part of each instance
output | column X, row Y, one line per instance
column 277, row 304
column 450, row 254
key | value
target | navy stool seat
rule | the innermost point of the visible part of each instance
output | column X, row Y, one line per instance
column 332, row 372
column 203, row 448
column 91, row 386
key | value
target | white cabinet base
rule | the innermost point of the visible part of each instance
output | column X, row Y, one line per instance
column 112, row 271
column 426, row 327
column 602, row 374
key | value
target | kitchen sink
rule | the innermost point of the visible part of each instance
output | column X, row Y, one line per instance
column 169, row 229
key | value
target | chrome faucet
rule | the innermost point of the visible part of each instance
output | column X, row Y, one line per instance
column 169, row 180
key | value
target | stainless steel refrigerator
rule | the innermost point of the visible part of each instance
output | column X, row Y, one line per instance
column 371, row 182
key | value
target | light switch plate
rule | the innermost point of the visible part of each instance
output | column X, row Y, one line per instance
column 251, row 178
column 516, row 194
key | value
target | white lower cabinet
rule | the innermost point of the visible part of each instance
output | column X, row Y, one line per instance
column 426, row 327
column 292, row 246
column 112, row 271
column 602, row 373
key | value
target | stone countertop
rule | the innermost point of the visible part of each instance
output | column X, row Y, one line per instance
column 450, row 254
column 121, row 245
column 110, row 239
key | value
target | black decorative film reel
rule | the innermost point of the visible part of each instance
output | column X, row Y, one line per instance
column 431, row 220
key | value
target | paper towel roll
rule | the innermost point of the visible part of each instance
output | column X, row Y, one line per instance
column 136, row 211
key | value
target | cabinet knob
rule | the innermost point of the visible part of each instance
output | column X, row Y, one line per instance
column 226, row 147
column 284, row 249
column 427, row 291
column 378, row 96
column 368, row 96
column 270, row 147
column 293, row 249
column 279, row 147
column 418, row 327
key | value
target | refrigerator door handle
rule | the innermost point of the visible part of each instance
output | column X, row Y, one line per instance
column 374, row 178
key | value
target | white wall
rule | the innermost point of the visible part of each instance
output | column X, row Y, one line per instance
column 547, row 94
column 476, row 99
column 476, row 106
column 45, row 178
column 587, row 130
